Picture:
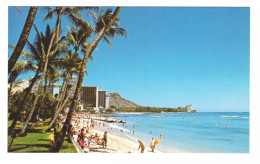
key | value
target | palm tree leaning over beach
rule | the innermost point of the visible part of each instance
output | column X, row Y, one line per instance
column 23, row 38
column 76, row 38
column 62, row 101
column 111, row 19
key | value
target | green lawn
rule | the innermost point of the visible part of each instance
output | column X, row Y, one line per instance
column 37, row 142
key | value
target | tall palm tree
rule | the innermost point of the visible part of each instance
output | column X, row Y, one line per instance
column 23, row 38
column 106, row 27
column 47, row 48
column 76, row 38
column 71, row 63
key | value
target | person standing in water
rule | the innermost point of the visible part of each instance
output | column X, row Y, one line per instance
column 152, row 145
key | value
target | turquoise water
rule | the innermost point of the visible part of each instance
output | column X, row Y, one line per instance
column 189, row 132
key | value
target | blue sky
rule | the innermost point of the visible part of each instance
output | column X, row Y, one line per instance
column 172, row 56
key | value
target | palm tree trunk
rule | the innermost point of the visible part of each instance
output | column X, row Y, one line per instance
column 65, row 89
column 58, row 110
column 12, row 77
column 93, row 45
column 40, row 85
column 45, row 85
column 59, row 25
column 23, row 38
column 62, row 94
column 27, row 92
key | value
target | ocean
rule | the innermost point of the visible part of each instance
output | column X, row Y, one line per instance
column 201, row 132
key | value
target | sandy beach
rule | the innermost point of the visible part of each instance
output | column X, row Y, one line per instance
column 116, row 144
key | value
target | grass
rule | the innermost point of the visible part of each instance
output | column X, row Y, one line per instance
column 37, row 141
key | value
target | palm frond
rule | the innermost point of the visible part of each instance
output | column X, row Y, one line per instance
column 24, row 66
column 108, row 41
column 91, row 58
column 34, row 52
column 50, row 14
column 18, row 9
column 94, row 17
column 70, row 38
column 72, row 10
column 25, row 55
column 81, row 22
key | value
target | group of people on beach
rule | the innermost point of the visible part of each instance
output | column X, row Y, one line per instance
column 153, row 143
column 84, row 139
column 79, row 131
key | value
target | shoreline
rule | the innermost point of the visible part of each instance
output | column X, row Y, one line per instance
column 117, row 144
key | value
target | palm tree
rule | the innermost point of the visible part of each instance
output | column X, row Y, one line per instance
column 106, row 27
column 23, row 38
column 103, row 19
column 76, row 38
column 71, row 63
column 31, row 58
column 44, row 45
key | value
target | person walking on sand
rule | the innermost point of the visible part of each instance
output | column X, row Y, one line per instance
column 105, row 139
column 161, row 136
column 141, row 145
column 152, row 145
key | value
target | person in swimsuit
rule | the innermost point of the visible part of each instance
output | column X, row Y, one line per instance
column 105, row 139
column 141, row 145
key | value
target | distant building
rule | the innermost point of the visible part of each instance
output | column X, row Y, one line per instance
column 24, row 84
column 94, row 98
column 188, row 107
column 102, row 99
column 107, row 101
column 72, row 80
column 36, row 86
column 89, row 95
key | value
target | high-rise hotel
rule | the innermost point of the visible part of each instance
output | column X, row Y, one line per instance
column 94, row 97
